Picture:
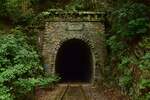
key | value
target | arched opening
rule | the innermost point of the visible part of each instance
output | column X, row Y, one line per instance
column 74, row 61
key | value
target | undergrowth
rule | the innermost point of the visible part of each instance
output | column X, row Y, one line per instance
column 128, row 46
column 20, row 68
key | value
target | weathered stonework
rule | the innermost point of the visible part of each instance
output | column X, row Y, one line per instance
column 90, row 31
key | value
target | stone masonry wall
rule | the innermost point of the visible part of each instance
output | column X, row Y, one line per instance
column 91, row 32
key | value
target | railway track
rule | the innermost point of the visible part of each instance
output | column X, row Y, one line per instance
column 72, row 92
column 75, row 91
column 62, row 94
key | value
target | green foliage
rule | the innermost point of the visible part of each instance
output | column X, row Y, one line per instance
column 144, row 85
column 15, row 50
column 75, row 6
column 114, row 44
column 5, row 93
column 2, row 7
column 48, row 81
column 24, row 86
column 16, row 10
column 138, row 26
column 125, row 80
column 80, row 5
column 145, row 44
column 144, row 82
column 34, row 2
column 130, row 20
column 19, row 64
column 125, row 61
column 145, row 97
column 145, row 62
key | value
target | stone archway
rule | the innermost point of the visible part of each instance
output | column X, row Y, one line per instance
column 88, row 29
column 74, row 61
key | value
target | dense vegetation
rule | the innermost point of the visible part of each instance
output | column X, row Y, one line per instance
column 127, row 38
column 20, row 69
column 128, row 41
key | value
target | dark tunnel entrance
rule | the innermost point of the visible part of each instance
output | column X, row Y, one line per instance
column 74, row 61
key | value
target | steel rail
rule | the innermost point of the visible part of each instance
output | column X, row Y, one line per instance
column 62, row 93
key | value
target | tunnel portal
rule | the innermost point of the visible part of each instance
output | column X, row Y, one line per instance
column 74, row 61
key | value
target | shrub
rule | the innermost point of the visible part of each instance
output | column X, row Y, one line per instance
column 130, row 20
column 19, row 64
